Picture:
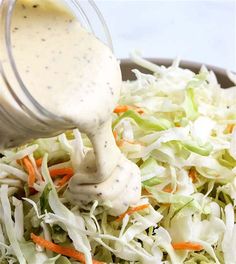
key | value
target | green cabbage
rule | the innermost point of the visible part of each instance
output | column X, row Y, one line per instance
column 187, row 159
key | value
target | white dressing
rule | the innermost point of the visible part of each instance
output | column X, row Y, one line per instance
column 75, row 76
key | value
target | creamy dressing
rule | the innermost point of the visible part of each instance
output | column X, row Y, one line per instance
column 75, row 76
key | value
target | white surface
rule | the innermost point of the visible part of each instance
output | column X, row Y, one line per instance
column 203, row 31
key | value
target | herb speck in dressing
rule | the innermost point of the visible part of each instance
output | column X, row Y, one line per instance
column 75, row 76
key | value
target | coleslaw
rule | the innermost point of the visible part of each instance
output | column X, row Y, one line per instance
column 179, row 128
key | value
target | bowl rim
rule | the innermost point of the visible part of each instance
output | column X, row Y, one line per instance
column 220, row 73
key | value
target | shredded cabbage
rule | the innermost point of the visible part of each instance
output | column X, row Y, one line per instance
column 185, row 145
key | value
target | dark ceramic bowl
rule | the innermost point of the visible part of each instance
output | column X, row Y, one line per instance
column 128, row 65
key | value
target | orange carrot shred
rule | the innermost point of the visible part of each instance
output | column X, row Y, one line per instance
column 64, row 180
column 66, row 251
column 167, row 189
column 39, row 162
column 229, row 128
column 30, row 170
column 187, row 246
column 140, row 111
column 145, row 192
column 61, row 172
column 115, row 134
column 192, row 174
column 121, row 142
column 123, row 108
column 132, row 210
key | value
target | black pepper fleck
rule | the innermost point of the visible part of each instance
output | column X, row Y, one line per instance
column 43, row 39
column 99, row 194
column 101, row 122
column 111, row 90
column 117, row 180
column 120, row 167
column 105, row 144
column 25, row 17
column 95, row 186
column 35, row 6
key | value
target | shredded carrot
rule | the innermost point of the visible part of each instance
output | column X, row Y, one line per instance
column 187, row 246
column 145, row 192
column 32, row 191
column 39, row 162
column 121, row 142
column 140, row 111
column 19, row 162
column 123, row 108
column 192, row 174
column 30, row 170
column 64, row 180
column 168, row 189
column 60, row 172
column 229, row 128
column 115, row 134
column 132, row 210
column 66, row 251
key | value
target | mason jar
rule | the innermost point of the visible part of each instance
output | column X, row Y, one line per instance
column 22, row 116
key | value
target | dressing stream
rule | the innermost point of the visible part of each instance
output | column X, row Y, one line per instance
column 75, row 76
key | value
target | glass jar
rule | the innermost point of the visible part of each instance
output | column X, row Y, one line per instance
column 22, row 117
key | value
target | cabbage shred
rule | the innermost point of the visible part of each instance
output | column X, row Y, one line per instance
column 185, row 146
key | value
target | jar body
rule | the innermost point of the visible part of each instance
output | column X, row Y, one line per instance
column 22, row 117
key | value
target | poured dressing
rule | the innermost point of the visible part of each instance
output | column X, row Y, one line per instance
column 75, row 76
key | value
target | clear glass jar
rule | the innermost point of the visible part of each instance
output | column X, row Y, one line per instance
column 22, row 118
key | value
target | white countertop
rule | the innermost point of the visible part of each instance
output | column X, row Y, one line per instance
column 202, row 31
